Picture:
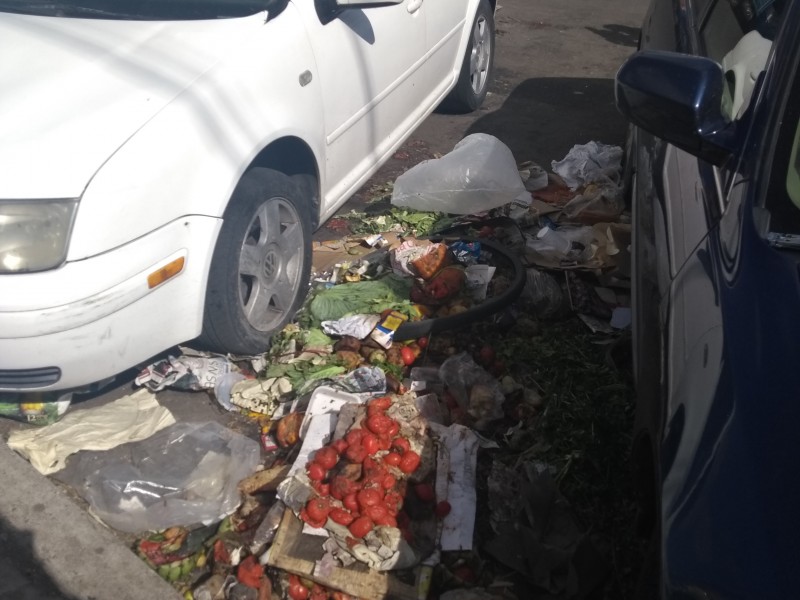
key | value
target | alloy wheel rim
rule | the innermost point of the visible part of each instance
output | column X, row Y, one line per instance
column 270, row 264
column 480, row 55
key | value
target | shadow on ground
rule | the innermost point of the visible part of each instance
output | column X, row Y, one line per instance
column 543, row 118
column 22, row 576
column 621, row 35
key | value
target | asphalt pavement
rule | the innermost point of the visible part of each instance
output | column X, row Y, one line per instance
column 553, row 88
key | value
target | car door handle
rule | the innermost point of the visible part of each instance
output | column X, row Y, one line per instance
column 414, row 5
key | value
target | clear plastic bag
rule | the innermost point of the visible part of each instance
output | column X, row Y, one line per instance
column 479, row 174
column 185, row 474
column 476, row 391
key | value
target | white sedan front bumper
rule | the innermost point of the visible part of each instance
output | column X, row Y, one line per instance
column 92, row 319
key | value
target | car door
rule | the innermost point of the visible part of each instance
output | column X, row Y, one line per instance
column 731, row 515
column 368, row 61
column 447, row 22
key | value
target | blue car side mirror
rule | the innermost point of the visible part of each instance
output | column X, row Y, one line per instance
column 679, row 98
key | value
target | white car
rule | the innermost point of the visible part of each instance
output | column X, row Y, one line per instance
column 163, row 163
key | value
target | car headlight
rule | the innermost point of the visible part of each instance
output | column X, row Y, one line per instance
column 34, row 234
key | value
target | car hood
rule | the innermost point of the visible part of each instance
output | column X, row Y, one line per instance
column 74, row 90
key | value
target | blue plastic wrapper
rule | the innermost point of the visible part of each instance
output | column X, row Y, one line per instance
column 466, row 253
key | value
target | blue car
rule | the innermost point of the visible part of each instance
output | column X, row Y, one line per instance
column 713, row 95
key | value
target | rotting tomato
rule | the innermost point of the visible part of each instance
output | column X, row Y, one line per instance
column 356, row 453
column 442, row 509
column 342, row 486
column 486, row 355
column 401, row 444
column 326, row 457
column 409, row 462
column 323, row 489
column 379, row 424
column 361, row 527
column 424, row 492
column 341, row 516
column 388, row 481
column 354, row 436
column 393, row 502
column 339, row 445
column 387, row 520
column 422, row 342
column 316, row 472
column 392, row 459
column 384, row 442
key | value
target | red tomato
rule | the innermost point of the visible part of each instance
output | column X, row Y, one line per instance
column 387, row 520
column 316, row 472
column 341, row 516
column 326, row 457
column 401, row 444
column 356, row 453
column 409, row 462
column 393, row 430
column 382, row 403
column 376, row 512
column 392, row 459
column 379, row 424
column 408, row 356
column 318, row 509
column 354, row 436
column 341, row 486
column 384, row 442
column 351, row 502
column 323, row 489
column 388, row 481
column 339, row 445
column 361, row 527
column 368, row 497
column 297, row 591
column 442, row 509
column 486, row 355
column 393, row 502
column 318, row 593
column 424, row 492
column 370, row 443
column 305, row 516
column 422, row 342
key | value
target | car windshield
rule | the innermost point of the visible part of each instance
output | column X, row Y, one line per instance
column 138, row 10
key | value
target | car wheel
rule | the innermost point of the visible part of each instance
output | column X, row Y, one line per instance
column 261, row 265
column 476, row 70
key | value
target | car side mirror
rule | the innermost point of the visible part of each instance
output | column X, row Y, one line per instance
column 679, row 98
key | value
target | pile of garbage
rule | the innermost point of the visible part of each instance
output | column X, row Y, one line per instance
column 364, row 478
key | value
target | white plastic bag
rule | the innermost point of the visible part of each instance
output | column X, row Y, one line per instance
column 478, row 175
column 185, row 474
column 586, row 163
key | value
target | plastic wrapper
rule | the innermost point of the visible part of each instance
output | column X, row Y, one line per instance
column 479, row 174
column 543, row 294
column 476, row 390
column 185, row 474
column 191, row 371
column 41, row 412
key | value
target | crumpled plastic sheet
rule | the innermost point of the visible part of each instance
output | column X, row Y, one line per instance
column 586, row 163
column 479, row 174
column 127, row 419
column 186, row 474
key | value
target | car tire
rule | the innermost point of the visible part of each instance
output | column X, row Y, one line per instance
column 261, row 265
column 476, row 69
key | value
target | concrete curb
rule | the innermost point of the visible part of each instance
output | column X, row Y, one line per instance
column 50, row 548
